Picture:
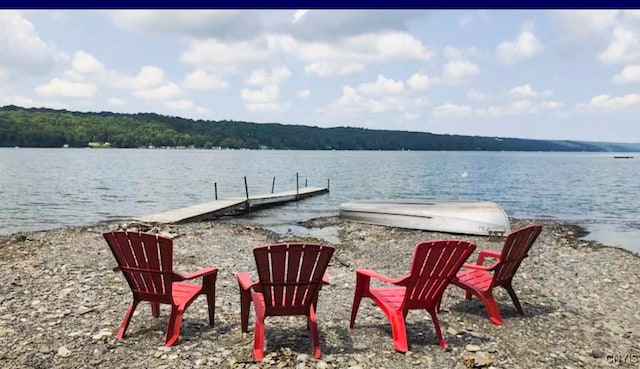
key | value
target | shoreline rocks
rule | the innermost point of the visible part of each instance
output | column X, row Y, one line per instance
column 61, row 303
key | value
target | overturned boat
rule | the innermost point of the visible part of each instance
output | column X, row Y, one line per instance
column 482, row 218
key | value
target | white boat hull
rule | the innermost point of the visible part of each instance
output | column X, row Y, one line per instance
column 482, row 218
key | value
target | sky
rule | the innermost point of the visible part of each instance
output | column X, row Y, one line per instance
column 546, row 74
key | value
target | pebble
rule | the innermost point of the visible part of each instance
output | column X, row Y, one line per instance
column 472, row 348
column 64, row 352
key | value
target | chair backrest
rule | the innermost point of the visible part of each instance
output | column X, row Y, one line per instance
column 434, row 264
column 290, row 275
column 515, row 249
column 146, row 260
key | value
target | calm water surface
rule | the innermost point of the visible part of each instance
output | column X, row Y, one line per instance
column 50, row 188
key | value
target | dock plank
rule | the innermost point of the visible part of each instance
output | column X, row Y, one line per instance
column 211, row 209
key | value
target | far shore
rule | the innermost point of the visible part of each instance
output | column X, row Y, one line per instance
column 61, row 303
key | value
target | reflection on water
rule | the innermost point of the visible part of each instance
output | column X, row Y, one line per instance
column 48, row 188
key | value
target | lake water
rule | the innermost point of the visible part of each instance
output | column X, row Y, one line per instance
column 49, row 188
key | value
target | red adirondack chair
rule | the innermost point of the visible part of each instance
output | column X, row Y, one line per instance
column 478, row 280
column 146, row 260
column 434, row 264
column 290, row 276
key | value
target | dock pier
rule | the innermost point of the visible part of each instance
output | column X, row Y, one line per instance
column 233, row 205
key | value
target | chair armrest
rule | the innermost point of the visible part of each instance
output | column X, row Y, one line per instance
column 325, row 279
column 244, row 280
column 199, row 273
column 483, row 254
column 381, row 277
column 480, row 267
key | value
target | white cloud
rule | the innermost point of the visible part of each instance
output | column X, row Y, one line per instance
column 334, row 68
column 114, row 101
column 261, row 77
column 528, row 91
column 85, row 63
column 458, row 71
column 632, row 14
column 381, row 86
column 298, row 15
column 449, row 110
column 148, row 77
column 524, row 47
column 163, row 92
column 304, row 93
column 338, row 24
column 351, row 54
column 418, row 81
column 18, row 101
column 477, row 95
column 192, row 23
column 182, row 104
column 202, row 80
column 62, row 88
column 266, row 94
column 21, row 47
column 410, row 116
column 630, row 74
column 264, row 99
column 623, row 48
column 520, row 107
column 352, row 102
column 207, row 54
column 579, row 26
column 551, row 105
column 607, row 102
column 452, row 52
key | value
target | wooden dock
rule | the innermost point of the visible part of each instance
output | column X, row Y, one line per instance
column 218, row 208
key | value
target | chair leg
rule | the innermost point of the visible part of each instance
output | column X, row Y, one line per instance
column 436, row 323
column 127, row 319
column 492, row 307
column 155, row 309
column 209, row 286
column 245, row 304
column 467, row 295
column 173, row 328
column 514, row 297
column 258, row 339
column 315, row 337
column 361, row 290
column 399, row 331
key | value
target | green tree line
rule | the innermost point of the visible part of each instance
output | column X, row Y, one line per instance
column 41, row 127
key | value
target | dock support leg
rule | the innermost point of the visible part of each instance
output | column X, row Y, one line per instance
column 246, row 191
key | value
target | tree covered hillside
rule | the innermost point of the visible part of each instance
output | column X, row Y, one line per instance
column 55, row 128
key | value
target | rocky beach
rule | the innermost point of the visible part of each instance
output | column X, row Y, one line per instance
column 61, row 304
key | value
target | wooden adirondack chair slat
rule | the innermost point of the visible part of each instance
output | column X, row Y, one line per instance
column 480, row 282
column 146, row 261
column 290, row 276
column 433, row 266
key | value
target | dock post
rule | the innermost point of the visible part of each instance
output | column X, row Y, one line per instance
column 327, row 184
column 246, row 191
column 273, row 184
column 215, row 189
column 297, row 187
column 305, row 182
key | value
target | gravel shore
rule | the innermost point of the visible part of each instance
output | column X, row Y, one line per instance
column 61, row 303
